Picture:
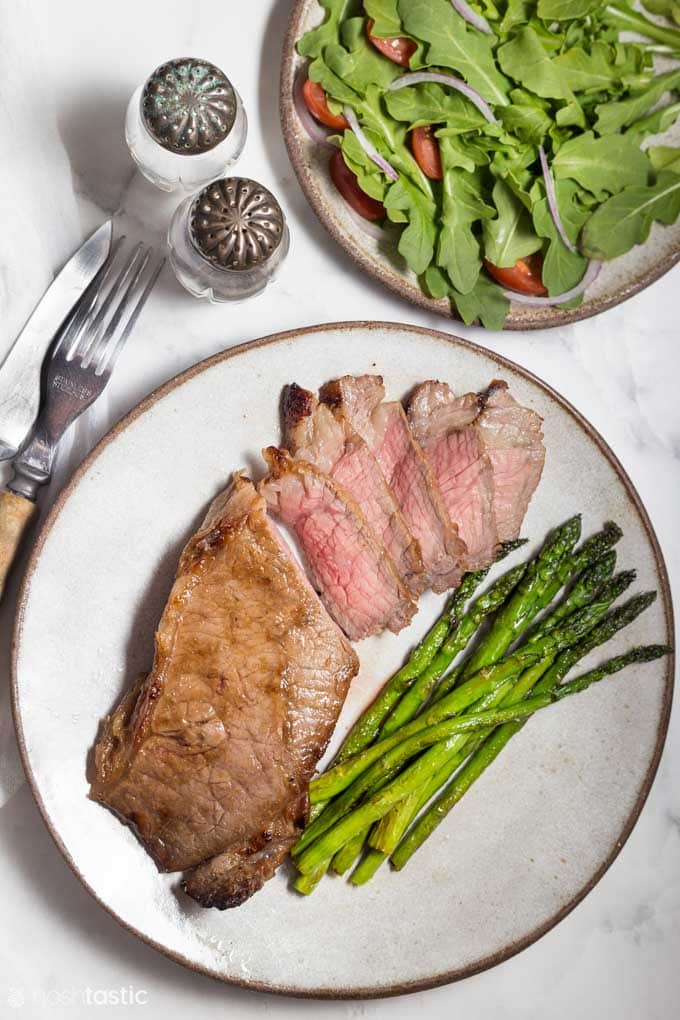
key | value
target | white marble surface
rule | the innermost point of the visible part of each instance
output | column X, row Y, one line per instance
column 67, row 69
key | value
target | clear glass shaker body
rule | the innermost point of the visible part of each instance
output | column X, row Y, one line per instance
column 228, row 243
column 171, row 155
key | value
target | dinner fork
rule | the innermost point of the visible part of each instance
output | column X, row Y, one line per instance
column 76, row 371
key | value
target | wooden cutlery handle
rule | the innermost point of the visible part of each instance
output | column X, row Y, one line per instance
column 16, row 513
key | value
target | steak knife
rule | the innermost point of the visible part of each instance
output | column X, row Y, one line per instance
column 20, row 371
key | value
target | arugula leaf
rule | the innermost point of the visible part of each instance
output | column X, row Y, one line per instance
column 486, row 302
column 562, row 269
column 602, row 165
column 626, row 219
column 312, row 43
column 462, row 205
column 565, row 10
column 452, row 44
column 357, row 62
column 655, row 123
column 405, row 203
column 510, row 236
column 435, row 283
column 524, row 59
column 333, row 86
column 569, row 115
column 386, row 20
column 664, row 157
column 614, row 116
column 602, row 68
column 527, row 117
column 518, row 12
column 433, row 104
column 370, row 178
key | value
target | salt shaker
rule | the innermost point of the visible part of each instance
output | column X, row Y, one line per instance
column 185, row 125
column 228, row 242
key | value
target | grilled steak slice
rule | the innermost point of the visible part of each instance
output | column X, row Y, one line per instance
column 513, row 439
column 408, row 473
column 445, row 426
column 315, row 433
column 358, row 583
column 209, row 757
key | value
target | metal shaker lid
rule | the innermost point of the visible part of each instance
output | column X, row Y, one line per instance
column 235, row 223
column 188, row 106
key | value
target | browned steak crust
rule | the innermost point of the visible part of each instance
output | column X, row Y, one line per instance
column 210, row 756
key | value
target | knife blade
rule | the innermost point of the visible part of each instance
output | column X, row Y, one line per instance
column 20, row 371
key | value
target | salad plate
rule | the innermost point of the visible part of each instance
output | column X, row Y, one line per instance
column 375, row 251
column 530, row 840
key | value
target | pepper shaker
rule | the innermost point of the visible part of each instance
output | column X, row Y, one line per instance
column 228, row 242
column 186, row 125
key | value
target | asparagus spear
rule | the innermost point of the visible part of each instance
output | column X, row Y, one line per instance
column 503, row 675
column 540, row 587
column 458, row 638
column 393, row 826
column 347, row 854
column 526, row 600
column 478, row 685
column 582, row 591
column 306, row 884
column 378, row 804
column 492, row 747
column 367, row 866
column 387, row 834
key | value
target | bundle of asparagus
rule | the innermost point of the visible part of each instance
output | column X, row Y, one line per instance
column 463, row 693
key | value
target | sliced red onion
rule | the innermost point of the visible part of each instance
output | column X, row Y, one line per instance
column 472, row 18
column 589, row 277
column 552, row 200
column 421, row 77
column 369, row 149
column 317, row 132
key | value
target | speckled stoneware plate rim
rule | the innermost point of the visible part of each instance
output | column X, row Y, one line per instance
column 356, row 244
column 513, row 947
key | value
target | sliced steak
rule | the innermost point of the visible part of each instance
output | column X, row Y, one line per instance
column 209, row 757
column 446, row 428
column 356, row 580
column 408, row 473
column 513, row 439
column 315, row 433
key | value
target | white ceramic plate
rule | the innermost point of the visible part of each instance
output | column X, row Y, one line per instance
column 618, row 280
column 548, row 817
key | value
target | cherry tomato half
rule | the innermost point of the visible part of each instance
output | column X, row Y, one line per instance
column 426, row 151
column 348, row 186
column 316, row 102
column 524, row 276
column 397, row 49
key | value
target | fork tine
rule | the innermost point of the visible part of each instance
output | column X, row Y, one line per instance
column 112, row 350
column 70, row 337
column 105, row 334
column 94, row 328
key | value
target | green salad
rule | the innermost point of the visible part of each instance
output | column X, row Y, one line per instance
column 509, row 139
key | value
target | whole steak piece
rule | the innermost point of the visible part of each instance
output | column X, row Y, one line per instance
column 209, row 757
column 316, row 433
column 357, row 581
column 446, row 428
column 408, row 473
